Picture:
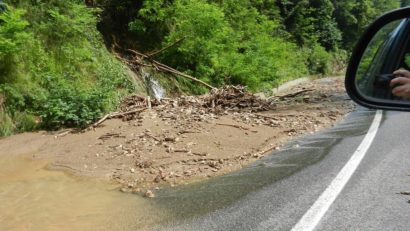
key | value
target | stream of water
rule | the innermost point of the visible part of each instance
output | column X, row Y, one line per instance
column 154, row 87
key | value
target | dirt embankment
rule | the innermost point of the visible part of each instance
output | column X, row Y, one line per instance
column 190, row 138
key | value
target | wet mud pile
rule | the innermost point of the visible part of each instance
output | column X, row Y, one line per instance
column 150, row 144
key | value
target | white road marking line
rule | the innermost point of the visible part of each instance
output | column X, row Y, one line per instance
column 312, row 217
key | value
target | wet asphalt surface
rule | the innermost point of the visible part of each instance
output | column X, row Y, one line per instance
column 275, row 192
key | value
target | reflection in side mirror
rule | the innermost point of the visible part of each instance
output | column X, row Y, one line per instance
column 379, row 61
column 383, row 49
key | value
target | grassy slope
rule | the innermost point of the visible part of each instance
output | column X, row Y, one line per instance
column 54, row 68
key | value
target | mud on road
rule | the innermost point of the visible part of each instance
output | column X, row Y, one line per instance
column 188, row 139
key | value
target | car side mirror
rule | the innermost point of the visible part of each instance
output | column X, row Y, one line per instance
column 383, row 49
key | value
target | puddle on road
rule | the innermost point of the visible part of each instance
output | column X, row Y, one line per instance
column 32, row 198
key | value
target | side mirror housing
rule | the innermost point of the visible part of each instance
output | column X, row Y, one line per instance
column 383, row 49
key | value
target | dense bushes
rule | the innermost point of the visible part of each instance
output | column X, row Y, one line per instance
column 255, row 43
column 225, row 43
column 54, row 69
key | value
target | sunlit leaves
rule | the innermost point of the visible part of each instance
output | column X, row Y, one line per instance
column 13, row 31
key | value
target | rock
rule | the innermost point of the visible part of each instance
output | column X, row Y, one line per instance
column 188, row 173
column 213, row 164
column 144, row 164
column 405, row 193
column 157, row 179
column 149, row 194
column 171, row 139
column 170, row 149
column 125, row 190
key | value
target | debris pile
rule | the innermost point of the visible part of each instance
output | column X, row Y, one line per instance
column 235, row 98
column 133, row 102
column 228, row 98
column 196, row 137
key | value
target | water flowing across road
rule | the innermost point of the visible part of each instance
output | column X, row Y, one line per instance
column 33, row 198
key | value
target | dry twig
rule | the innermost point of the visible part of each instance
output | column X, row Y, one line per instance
column 165, row 48
column 236, row 126
column 291, row 95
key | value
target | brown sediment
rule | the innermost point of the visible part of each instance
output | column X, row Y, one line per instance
column 188, row 139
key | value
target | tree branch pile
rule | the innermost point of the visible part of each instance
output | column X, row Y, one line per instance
column 217, row 102
column 236, row 98
column 228, row 98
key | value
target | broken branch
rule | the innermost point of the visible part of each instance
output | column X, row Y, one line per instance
column 115, row 115
column 294, row 94
column 165, row 48
column 236, row 126
column 139, row 57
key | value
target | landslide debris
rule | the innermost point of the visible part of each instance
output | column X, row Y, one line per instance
column 148, row 144
column 219, row 101
column 190, row 137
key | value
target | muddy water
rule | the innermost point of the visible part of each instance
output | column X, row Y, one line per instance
column 33, row 198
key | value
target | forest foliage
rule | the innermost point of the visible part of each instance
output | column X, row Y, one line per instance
column 56, row 70
column 257, row 43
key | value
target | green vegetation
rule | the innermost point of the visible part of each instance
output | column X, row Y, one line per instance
column 56, row 70
column 54, row 67
column 258, row 43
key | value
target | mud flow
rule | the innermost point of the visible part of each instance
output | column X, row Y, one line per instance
column 32, row 198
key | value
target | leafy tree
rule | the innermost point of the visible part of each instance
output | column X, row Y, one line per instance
column 354, row 16
column 13, row 35
column 405, row 3
column 224, row 41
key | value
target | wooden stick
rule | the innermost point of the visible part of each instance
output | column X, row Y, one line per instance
column 162, row 67
column 127, row 113
column 114, row 115
column 266, row 116
column 62, row 134
column 137, row 53
column 236, row 126
column 104, row 118
column 173, row 71
column 265, row 150
column 182, row 150
column 153, row 137
column 165, row 48
column 294, row 94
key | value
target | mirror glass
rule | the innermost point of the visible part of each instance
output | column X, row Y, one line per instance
column 387, row 52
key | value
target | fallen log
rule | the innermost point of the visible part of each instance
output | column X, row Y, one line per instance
column 115, row 115
column 140, row 57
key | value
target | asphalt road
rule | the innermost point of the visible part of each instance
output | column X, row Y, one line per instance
column 276, row 192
